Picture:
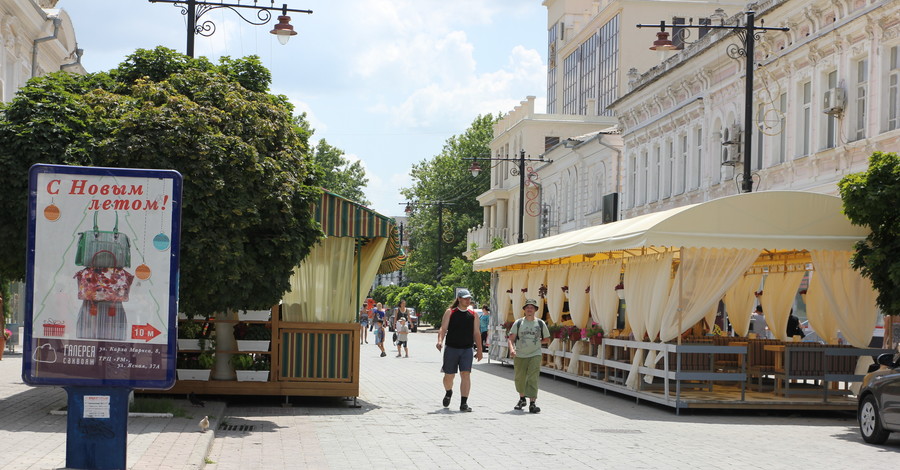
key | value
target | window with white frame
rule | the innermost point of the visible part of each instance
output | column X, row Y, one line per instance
column 632, row 181
column 760, row 119
column 782, row 128
column 804, row 119
column 645, row 179
column 698, row 159
column 668, row 173
column 570, row 83
column 655, row 174
column 587, row 82
column 680, row 180
column 859, row 99
column 830, row 119
column 608, row 67
column 893, row 81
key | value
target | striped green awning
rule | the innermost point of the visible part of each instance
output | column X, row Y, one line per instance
column 340, row 217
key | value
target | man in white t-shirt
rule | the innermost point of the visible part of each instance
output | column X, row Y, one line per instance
column 758, row 323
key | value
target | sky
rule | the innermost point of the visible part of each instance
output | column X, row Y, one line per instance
column 386, row 81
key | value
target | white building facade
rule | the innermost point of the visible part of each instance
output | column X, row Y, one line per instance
column 590, row 46
column 35, row 39
column 826, row 96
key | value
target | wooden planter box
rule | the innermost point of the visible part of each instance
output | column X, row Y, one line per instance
column 245, row 345
column 193, row 374
column 252, row 375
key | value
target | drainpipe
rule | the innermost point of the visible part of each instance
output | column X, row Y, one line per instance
column 78, row 53
column 34, row 48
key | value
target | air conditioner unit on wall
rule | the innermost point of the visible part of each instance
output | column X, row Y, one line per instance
column 833, row 101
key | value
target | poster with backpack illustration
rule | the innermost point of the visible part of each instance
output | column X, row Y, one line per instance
column 101, row 278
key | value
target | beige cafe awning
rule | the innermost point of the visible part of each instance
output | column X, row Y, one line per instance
column 770, row 220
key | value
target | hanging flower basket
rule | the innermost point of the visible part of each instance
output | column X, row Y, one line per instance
column 620, row 291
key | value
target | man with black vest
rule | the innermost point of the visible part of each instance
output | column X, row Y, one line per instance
column 459, row 327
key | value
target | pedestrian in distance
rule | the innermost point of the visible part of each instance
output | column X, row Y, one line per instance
column 378, row 313
column 379, row 336
column 484, row 322
column 363, row 325
column 459, row 326
column 526, row 336
column 402, row 336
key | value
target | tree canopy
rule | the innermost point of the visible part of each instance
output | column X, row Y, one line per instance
column 340, row 175
column 871, row 199
column 248, row 176
column 446, row 178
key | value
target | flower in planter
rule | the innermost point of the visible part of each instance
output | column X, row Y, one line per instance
column 201, row 361
column 6, row 333
column 554, row 330
column 242, row 361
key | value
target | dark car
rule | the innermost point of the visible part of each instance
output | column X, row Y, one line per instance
column 879, row 401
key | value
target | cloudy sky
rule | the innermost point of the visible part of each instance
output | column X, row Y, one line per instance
column 387, row 81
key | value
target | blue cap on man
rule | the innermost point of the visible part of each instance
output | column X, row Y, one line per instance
column 464, row 294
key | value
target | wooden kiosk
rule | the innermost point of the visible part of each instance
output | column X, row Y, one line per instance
column 314, row 348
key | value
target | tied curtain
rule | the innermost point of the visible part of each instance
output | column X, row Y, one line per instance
column 604, row 300
column 739, row 301
column 519, row 282
column 557, row 276
column 850, row 296
column 579, row 300
column 818, row 310
column 537, row 277
column 647, row 280
column 370, row 257
column 504, row 284
column 777, row 298
column 320, row 286
column 705, row 274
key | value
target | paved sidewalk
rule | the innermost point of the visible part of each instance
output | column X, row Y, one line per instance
column 32, row 438
column 401, row 424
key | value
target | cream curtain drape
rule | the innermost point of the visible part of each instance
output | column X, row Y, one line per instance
column 705, row 275
column 579, row 300
column 371, row 254
column 818, row 311
column 321, row 288
column 604, row 301
column 850, row 296
column 503, row 298
column 557, row 276
column 536, row 278
column 739, row 300
column 519, row 282
column 778, row 296
column 647, row 280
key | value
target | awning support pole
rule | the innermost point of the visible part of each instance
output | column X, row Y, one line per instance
column 680, row 293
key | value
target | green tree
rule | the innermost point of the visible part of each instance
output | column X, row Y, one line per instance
column 870, row 200
column 462, row 275
column 446, row 178
column 248, row 176
column 339, row 175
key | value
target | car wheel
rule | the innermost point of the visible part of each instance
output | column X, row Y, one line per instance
column 869, row 422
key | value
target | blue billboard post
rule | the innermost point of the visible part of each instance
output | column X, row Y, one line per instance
column 101, row 296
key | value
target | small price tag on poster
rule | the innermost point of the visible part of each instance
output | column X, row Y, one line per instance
column 96, row 406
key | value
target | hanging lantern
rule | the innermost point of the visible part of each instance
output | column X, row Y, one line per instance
column 161, row 242
column 51, row 213
column 142, row 272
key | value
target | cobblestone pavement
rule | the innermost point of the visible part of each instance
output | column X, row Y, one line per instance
column 401, row 424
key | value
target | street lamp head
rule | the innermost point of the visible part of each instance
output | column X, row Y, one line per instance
column 475, row 168
column 408, row 209
column 283, row 29
column 662, row 42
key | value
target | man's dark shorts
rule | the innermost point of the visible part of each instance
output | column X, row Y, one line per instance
column 456, row 359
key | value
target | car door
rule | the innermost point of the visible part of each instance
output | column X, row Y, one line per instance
column 890, row 399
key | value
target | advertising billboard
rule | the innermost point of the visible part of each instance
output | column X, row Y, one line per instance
column 102, row 276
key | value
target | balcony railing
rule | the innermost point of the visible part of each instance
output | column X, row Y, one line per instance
column 483, row 238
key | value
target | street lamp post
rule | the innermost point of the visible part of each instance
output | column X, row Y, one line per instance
column 748, row 34
column 443, row 235
column 195, row 9
column 519, row 170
